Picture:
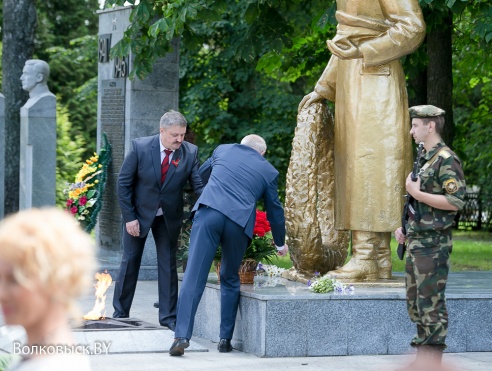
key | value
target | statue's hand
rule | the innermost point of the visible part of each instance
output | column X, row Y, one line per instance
column 309, row 99
column 350, row 51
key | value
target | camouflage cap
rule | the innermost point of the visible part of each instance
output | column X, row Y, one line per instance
column 425, row 111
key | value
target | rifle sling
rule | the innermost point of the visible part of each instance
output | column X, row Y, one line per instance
column 433, row 159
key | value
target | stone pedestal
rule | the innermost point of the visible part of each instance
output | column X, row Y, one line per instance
column 38, row 152
column 2, row 155
column 286, row 319
column 127, row 110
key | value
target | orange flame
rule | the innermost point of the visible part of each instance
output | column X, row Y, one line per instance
column 104, row 280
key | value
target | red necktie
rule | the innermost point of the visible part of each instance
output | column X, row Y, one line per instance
column 165, row 165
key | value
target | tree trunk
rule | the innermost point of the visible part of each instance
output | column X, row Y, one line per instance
column 440, row 73
column 19, row 25
column 417, row 89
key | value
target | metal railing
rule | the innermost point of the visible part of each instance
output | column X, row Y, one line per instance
column 477, row 213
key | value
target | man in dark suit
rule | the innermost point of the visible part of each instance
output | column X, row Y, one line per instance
column 236, row 177
column 150, row 193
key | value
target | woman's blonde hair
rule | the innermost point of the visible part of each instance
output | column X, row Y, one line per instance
column 48, row 247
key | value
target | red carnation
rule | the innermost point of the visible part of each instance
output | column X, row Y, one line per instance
column 74, row 210
column 69, row 202
column 260, row 232
column 262, row 225
column 82, row 200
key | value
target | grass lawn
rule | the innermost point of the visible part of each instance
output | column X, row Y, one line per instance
column 472, row 251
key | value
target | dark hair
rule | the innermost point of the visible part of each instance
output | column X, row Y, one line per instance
column 439, row 120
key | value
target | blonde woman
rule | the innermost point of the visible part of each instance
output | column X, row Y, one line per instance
column 46, row 261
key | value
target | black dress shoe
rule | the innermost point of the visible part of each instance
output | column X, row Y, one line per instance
column 224, row 346
column 156, row 304
column 120, row 315
column 171, row 326
column 179, row 346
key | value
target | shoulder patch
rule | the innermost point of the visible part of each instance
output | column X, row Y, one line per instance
column 451, row 186
column 445, row 154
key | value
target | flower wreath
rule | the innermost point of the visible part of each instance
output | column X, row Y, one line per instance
column 85, row 195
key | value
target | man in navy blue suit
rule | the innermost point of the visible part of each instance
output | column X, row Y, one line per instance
column 236, row 177
column 150, row 193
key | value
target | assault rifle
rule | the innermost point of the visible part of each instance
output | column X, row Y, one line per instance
column 408, row 202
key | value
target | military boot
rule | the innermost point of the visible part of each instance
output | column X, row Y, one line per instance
column 384, row 255
column 363, row 265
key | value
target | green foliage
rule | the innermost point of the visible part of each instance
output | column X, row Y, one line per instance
column 472, row 95
column 66, row 39
column 282, row 261
column 225, row 95
column 184, row 244
column 472, row 251
column 69, row 153
column 74, row 80
column 59, row 22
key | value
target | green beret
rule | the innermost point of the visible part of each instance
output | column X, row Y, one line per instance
column 425, row 111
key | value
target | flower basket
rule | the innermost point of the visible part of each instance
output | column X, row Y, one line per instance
column 247, row 271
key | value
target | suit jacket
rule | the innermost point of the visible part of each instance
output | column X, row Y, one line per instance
column 236, row 177
column 140, row 192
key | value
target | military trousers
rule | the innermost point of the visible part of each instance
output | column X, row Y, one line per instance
column 427, row 268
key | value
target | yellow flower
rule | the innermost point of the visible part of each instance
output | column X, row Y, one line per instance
column 86, row 169
column 79, row 191
column 95, row 181
column 74, row 194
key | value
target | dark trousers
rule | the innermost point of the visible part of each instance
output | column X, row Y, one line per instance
column 126, row 283
column 211, row 228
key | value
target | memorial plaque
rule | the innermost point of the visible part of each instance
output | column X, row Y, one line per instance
column 113, row 117
column 112, row 121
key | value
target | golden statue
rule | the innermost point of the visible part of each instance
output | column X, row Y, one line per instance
column 365, row 79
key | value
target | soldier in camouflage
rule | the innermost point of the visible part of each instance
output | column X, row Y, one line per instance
column 438, row 195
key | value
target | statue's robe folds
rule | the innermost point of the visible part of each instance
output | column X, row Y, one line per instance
column 373, row 150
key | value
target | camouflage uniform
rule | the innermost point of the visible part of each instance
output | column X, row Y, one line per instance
column 429, row 246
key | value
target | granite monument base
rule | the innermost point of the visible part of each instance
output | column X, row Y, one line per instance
column 285, row 319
